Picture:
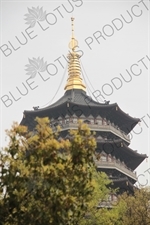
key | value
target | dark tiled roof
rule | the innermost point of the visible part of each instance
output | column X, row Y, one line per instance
column 121, row 151
column 76, row 96
column 77, row 102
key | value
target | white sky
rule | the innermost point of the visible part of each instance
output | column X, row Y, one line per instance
column 106, row 60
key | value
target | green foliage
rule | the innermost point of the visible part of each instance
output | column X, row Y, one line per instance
column 46, row 180
column 102, row 216
column 137, row 207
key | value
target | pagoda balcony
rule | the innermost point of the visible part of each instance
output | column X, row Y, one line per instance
column 97, row 127
column 116, row 165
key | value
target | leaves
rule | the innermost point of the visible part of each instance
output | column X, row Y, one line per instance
column 46, row 180
column 137, row 207
column 43, row 182
column 35, row 66
column 34, row 15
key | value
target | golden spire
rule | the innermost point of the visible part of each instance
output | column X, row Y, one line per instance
column 74, row 70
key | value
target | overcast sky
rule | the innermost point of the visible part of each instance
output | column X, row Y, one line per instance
column 114, row 39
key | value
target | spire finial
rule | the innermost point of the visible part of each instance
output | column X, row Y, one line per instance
column 72, row 24
column 74, row 70
column 73, row 43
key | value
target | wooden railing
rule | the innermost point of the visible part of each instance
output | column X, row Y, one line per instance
column 116, row 165
column 97, row 127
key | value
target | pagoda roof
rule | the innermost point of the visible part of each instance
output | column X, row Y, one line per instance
column 124, row 185
column 122, row 152
column 77, row 102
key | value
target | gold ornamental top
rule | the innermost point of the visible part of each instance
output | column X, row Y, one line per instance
column 74, row 80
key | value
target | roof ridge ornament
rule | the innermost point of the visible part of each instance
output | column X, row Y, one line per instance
column 74, row 80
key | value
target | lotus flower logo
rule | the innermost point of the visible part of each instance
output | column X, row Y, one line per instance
column 35, row 66
column 35, row 15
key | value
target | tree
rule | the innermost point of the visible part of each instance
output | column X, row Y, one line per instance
column 45, row 179
column 137, row 207
column 95, row 215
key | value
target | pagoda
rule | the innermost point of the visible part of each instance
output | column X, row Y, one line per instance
column 111, row 125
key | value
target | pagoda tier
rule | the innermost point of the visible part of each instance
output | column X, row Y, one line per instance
column 121, row 154
column 76, row 102
column 123, row 185
column 114, row 151
column 115, row 158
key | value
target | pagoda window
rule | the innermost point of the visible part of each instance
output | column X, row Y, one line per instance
column 103, row 158
column 99, row 122
column 104, row 121
column 91, row 118
column 67, row 120
column 109, row 158
column 92, row 121
column 71, row 120
column 108, row 122
column 114, row 159
column 74, row 120
column 59, row 120
column 63, row 120
column 95, row 121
